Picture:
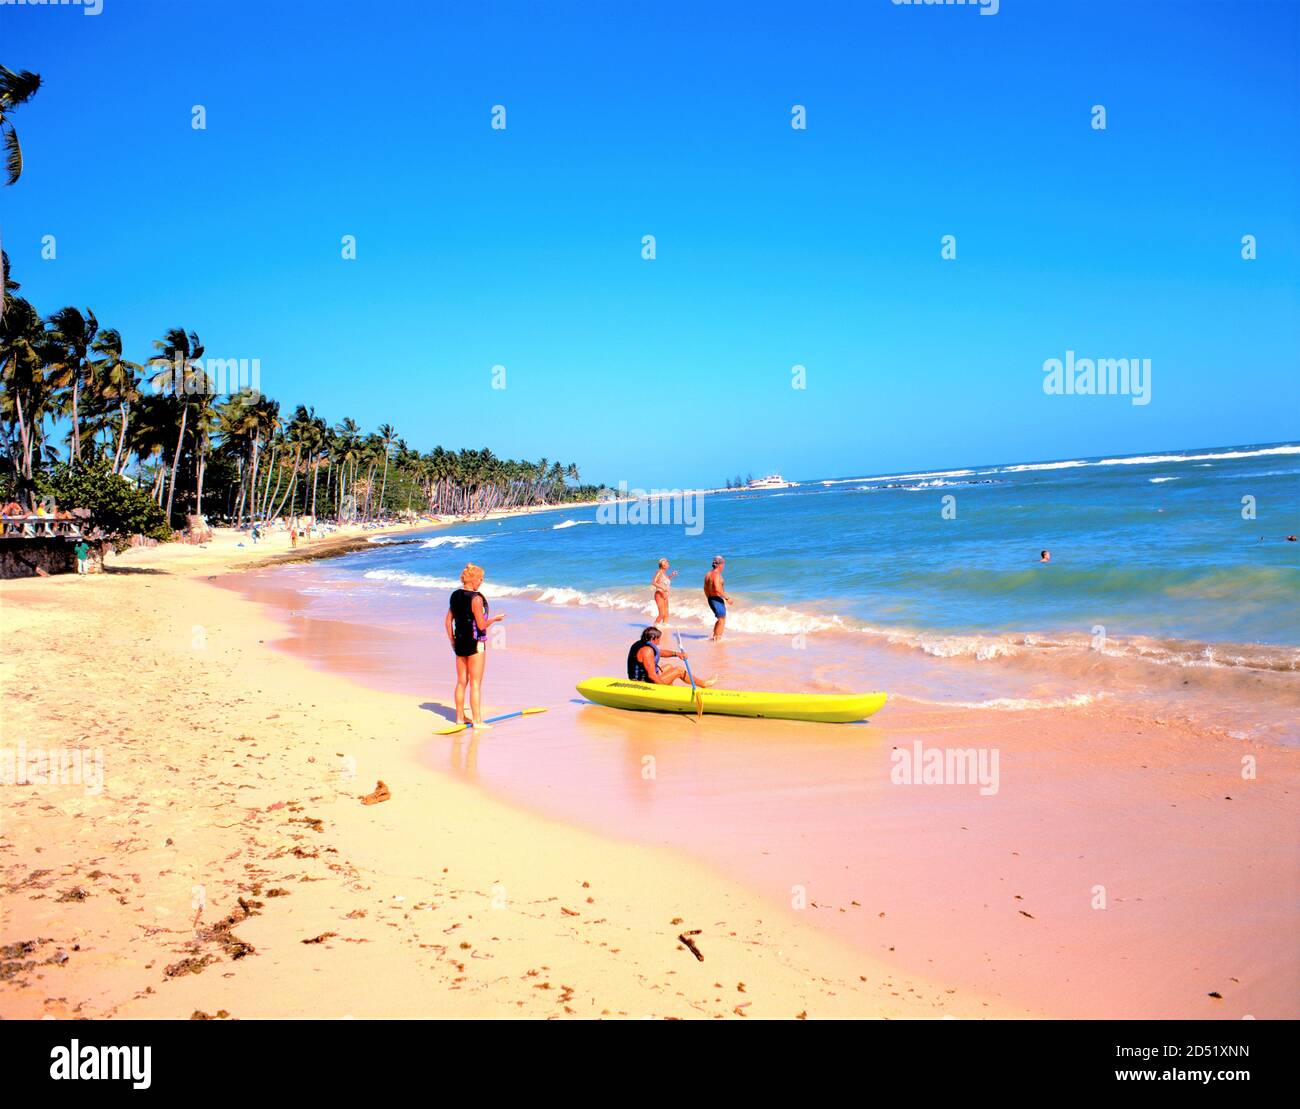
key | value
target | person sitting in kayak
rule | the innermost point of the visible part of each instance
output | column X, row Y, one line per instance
column 643, row 661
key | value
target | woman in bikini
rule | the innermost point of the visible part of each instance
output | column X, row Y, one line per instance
column 661, row 583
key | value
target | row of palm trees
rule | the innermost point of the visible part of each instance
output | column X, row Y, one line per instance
column 161, row 423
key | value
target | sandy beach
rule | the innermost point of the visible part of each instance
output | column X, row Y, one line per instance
column 1065, row 889
column 227, row 865
column 228, row 868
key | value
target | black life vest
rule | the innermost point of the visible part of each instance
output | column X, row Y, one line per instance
column 635, row 671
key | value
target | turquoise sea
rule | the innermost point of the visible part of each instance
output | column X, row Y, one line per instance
column 1183, row 551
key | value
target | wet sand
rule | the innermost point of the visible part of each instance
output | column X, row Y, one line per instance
column 225, row 866
column 1123, row 867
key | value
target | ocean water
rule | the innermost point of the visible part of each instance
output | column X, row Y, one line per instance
column 1151, row 554
column 860, row 583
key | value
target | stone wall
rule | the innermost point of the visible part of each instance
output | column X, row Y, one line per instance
column 22, row 557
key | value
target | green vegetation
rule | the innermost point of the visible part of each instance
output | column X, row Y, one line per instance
column 117, row 506
column 162, row 426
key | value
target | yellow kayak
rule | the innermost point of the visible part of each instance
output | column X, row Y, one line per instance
column 826, row 708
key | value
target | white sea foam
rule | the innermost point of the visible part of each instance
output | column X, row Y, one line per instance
column 908, row 477
column 778, row 620
column 956, row 646
column 1073, row 463
column 1015, row 704
column 1158, row 480
column 1141, row 460
column 1026, row 467
column 1147, row 459
column 571, row 524
column 415, row 581
column 456, row 541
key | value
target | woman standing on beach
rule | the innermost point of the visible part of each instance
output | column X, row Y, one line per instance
column 661, row 583
column 467, row 625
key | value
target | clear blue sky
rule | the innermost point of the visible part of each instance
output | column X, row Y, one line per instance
column 775, row 246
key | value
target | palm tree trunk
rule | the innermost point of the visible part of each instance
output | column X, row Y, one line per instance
column 293, row 483
column 76, row 416
column 121, row 436
column 315, row 474
column 200, row 468
column 180, row 439
column 267, row 495
column 248, row 484
column 26, row 436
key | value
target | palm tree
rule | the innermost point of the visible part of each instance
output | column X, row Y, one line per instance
column 15, row 90
column 370, row 452
column 387, row 437
column 268, row 427
column 299, row 431
column 237, row 425
column 202, row 424
column 178, row 350
column 246, row 420
column 318, row 438
column 73, row 334
column 27, row 395
column 7, row 284
column 277, row 441
column 119, row 380
column 347, row 447
column 152, row 431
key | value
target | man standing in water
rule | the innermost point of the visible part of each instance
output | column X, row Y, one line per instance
column 715, row 594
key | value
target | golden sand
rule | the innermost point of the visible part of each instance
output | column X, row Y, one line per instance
column 228, row 866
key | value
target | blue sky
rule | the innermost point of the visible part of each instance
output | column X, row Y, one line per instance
column 775, row 247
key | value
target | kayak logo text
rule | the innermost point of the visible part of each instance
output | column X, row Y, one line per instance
column 946, row 766
column 102, row 1062
column 656, row 507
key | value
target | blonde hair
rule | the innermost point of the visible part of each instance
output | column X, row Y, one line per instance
column 471, row 573
column 662, row 563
